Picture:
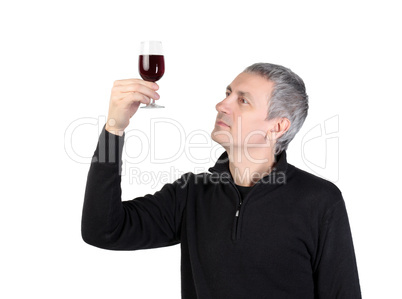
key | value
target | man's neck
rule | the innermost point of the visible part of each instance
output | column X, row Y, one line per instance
column 247, row 168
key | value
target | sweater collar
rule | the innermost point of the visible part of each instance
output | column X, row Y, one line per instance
column 222, row 164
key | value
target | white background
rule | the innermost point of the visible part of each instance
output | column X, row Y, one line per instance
column 57, row 65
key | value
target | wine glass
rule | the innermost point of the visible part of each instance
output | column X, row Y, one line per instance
column 151, row 65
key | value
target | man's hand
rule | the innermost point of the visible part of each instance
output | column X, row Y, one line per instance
column 126, row 97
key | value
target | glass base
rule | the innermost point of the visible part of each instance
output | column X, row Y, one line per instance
column 151, row 106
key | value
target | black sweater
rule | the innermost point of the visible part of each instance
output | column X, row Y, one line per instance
column 290, row 237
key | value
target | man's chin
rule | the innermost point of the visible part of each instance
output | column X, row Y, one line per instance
column 218, row 137
column 214, row 138
column 224, row 142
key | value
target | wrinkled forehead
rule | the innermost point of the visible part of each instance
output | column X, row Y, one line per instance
column 258, row 87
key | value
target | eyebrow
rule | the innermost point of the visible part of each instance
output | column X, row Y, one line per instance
column 241, row 93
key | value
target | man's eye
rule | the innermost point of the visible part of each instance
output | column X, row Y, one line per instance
column 244, row 101
column 227, row 93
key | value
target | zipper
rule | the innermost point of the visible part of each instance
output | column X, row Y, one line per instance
column 238, row 210
column 236, row 228
column 236, row 234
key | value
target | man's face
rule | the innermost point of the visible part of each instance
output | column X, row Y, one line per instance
column 241, row 119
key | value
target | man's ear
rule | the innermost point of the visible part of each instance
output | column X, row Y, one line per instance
column 281, row 125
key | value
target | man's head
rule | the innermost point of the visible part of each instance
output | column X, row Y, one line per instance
column 265, row 105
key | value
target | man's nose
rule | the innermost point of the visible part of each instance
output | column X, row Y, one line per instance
column 223, row 106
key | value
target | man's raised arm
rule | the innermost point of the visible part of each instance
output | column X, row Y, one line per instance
column 145, row 222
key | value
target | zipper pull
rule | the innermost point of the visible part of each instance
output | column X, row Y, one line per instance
column 238, row 210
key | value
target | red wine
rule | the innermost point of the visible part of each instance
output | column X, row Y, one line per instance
column 152, row 67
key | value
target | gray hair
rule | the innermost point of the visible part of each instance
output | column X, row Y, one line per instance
column 288, row 99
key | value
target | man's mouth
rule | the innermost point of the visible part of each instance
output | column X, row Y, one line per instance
column 221, row 123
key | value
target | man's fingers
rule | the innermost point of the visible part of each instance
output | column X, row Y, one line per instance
column 123, row 82
column 136, row 97
column 139, row 88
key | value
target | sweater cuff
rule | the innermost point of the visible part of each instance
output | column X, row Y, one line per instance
column 109, row 149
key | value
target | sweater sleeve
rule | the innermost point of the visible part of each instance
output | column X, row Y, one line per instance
column 144, row 222
column 335, row 270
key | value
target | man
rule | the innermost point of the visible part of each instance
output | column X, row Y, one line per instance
column 256, row 226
